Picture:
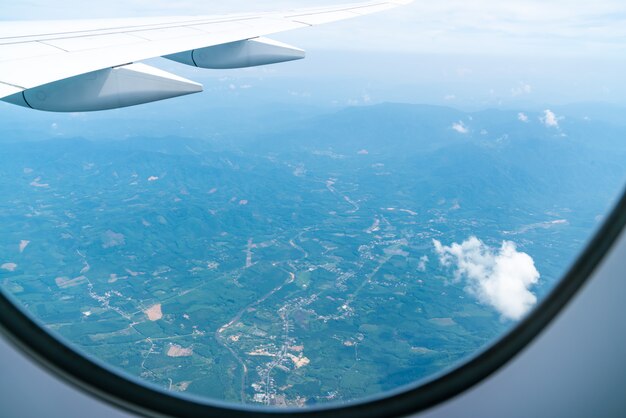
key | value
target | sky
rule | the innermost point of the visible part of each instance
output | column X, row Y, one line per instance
column 562, row 27
column 467, row 54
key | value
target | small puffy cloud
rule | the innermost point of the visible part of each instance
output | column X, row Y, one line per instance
column 522, row 117
column 23, row 244
column 460, row 127
column 153, row 178
column 521, row 89
column 498, row 277
column 421, row 265
column 364, row 99
column 549, row 119
column 9, row 266
column 37, row 183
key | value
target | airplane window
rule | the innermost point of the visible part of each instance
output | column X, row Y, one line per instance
column 315, row 232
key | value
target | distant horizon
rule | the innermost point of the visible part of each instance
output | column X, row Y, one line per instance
column 474, row 56
column 467, row 81
column 226, row 122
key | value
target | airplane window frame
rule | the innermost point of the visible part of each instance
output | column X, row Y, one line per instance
column 133, row 395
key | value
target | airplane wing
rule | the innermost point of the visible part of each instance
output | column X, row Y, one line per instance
column 57, row 65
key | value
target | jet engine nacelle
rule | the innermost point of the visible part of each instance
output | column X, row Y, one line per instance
column 240, row 54
column 111, row 88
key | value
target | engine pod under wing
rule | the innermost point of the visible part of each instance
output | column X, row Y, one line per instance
column 240, row 54
column 111, row 88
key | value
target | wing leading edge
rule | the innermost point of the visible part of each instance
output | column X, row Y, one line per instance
column 39, row 60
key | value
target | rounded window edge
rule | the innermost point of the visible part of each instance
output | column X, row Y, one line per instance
column 130, row 394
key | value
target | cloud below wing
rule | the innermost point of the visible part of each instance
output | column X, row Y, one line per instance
column 549, row 119
column 460, row 127
column 501, row 278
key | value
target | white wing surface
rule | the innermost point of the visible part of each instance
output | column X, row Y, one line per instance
column 35, row 56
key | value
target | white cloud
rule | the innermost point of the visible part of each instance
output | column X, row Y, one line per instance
column 421, row 265
column 9, row 266
column 460, row 127
column 501, row 278
column 522, row 117
column 23, row 244
column 549, row 119
column 37, row 183
column 521, row 89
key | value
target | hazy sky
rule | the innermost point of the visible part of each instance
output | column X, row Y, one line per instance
column 556, row 27
column 468, row 54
